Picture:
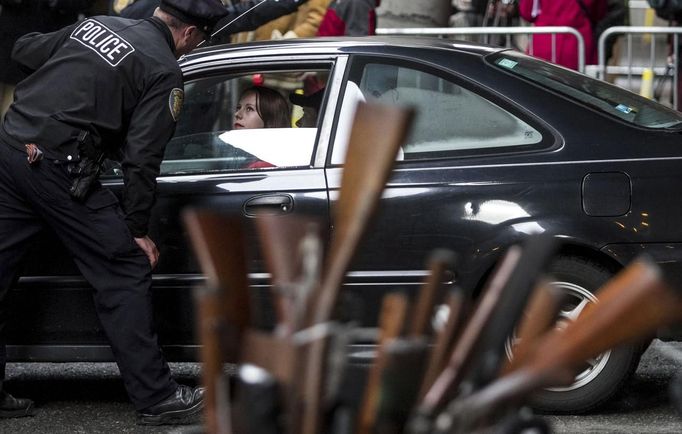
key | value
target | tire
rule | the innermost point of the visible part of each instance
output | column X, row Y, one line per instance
column 605, row 375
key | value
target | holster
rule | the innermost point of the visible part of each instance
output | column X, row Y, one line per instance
column 85, row 173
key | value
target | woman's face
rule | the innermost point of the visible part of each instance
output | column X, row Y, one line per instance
column 246, row 115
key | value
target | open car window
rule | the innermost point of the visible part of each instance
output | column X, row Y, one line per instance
column 206, row 142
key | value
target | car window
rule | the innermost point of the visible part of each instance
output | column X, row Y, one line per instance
column 208, row 138
column 450, row 120
column 600, row 95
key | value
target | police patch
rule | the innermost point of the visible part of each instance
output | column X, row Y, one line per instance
column 175, row 99
column 99, row 38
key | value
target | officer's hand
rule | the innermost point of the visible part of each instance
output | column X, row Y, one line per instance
column 148, row 247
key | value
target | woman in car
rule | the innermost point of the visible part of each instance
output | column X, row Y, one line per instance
column 261, row 107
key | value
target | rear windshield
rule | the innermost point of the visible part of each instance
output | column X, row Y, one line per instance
column 599, row 95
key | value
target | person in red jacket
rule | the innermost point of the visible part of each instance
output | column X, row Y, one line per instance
column 349, row 18
column 582, row 15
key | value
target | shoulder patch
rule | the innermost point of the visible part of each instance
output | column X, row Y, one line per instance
column 175, row 100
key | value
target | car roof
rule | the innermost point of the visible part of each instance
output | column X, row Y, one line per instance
column 345, row 45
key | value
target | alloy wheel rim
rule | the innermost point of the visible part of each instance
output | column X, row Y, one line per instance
column 577, row 299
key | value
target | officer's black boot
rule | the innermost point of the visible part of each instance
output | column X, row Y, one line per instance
column 177, row 408
column 14, row 407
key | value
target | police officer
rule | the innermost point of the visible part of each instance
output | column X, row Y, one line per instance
column 104, row 87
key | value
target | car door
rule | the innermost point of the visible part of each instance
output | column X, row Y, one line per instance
column 208, row 163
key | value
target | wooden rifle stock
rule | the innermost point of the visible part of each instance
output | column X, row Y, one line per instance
column 223, row 310
column 219, row 244
column 272, row 352
column 281, row 239
column 376, row 135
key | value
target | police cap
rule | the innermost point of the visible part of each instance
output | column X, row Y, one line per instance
column 202, row 13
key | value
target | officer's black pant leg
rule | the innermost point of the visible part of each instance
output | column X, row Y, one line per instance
column 18, row 223
column 124, row 306
column 106, row 253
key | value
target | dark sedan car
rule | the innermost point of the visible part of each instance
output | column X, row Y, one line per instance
column 503, row 146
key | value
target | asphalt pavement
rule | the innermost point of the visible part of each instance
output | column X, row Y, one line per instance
column 85, row 398
column 643, row 406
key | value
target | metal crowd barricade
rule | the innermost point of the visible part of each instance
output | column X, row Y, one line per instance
column 505, row 31
column 669, row 70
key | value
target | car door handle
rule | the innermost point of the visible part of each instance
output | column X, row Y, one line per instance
column 269, row 204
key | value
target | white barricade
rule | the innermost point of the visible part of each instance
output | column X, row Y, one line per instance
column 490, row 31
column 658, row 60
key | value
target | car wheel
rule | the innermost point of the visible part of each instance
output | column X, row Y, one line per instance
column 603, row 376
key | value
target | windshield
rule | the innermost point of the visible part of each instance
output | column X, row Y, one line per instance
column 599, row 95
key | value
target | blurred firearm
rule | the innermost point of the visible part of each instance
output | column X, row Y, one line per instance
column 223, row 307
column 406, row 357
column 482, row 342
column 632, row 305
column 378, row 132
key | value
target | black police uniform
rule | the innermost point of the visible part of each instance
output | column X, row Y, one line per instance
column 112, row 84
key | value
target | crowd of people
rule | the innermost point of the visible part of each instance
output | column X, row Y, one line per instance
column 589, row 17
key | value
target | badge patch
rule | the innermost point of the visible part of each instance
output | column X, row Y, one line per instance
column 175, row 100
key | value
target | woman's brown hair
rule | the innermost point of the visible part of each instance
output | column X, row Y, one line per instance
column 271, row 106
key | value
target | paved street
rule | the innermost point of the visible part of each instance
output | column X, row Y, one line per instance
column 643, row 406
column 89, row 398
column 80, row 398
